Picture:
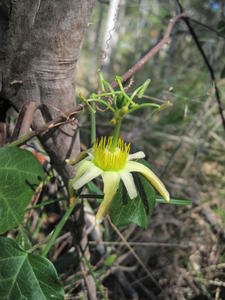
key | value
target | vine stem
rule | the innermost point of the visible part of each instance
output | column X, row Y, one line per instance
column 140, row 106
column 103, row 102
column 59, row 228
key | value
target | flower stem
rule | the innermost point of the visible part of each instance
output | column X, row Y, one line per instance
column 115, row 135
column 143, row 105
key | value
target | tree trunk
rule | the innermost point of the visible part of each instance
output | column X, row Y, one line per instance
column 40, row 42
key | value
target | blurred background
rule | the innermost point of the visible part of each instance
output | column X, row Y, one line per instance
column 183, row 247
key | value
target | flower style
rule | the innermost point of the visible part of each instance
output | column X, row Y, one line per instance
column 113, row 166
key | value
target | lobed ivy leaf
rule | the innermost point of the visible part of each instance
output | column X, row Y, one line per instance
column 24, row 276
column 19, row 176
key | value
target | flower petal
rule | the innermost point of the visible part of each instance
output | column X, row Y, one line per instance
column 111, row 182
column 91, row 172
column 133, row 166
column 137, row 155
column 83, row 166
column 129, row 184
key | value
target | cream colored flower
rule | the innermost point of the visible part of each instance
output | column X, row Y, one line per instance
column 113, row 167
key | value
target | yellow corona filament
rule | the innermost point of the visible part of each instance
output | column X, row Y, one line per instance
column 107, row 160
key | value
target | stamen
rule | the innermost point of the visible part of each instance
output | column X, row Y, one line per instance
column 107, row 160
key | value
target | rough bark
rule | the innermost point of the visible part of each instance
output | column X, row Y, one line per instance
column 40, row 42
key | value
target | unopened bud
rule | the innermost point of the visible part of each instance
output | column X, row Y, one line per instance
column 125, row 110
column 113, row 121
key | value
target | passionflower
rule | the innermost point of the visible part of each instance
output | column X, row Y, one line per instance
column 114, row 166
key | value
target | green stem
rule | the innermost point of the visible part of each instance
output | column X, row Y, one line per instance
column 45, row 203
column 22, row 140
column 119, row 80
column 87, row 103
column 38, row 228
column 103, row 102
column 58, row 229
column 115, row 135
column 49, row 202
column 93, row 125
column 140, row 106
column 106, row 94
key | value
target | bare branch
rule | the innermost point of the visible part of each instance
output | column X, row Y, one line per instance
column 63, row 119
column 151, row 53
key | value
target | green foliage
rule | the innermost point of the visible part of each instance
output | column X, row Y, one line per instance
column 125, row 211
column 22, row 274
column 26, row 276
column 19, row 176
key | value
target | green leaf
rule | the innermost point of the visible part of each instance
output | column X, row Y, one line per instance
column 26, row 276
column 109, row 261
column 183, row 202
column 19, row 171
column 124, row 210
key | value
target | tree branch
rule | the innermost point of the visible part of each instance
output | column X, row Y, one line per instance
column 152, row 52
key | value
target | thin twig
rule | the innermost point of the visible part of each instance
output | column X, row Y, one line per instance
column 134, row 253
column 143, row 244
column 207, row 63
column 58, row 121
column 207, row 27
column 152, row 52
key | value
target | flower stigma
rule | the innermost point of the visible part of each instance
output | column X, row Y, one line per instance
column 107, row 160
